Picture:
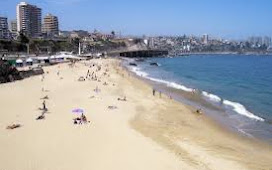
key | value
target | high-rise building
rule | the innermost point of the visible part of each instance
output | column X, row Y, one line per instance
column 205, row 38
column 151, row 43
column 13, row 26
column 256, row 40
column 29, row 19
column 4, row 31
column 50, row 25
column 13, row 29
column 267, row 41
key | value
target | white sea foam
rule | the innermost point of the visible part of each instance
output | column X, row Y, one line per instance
column 237, row 107
column 172, row 84
column 240, row 109
column 211, row 97
column 138, row 72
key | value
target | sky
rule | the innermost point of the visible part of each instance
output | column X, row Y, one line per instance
column 219, row 18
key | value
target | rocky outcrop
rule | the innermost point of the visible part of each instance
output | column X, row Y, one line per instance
column 8, row 73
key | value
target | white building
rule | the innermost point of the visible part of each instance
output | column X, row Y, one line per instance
column 205, row 38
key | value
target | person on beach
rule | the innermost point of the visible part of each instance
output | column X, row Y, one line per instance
column 13, row 126
column 97, row 90
column 44, row 106
column 122, row 99
column 88, row 73
column 154, row 92
column 199, row 111
column 41, row 117
column 84, row 119
column 80, row 120
column 221, row 101
column 160, row 94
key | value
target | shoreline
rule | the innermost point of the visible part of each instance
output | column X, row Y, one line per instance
column 226, row 53
column 143, row 132
column 194, row 102
column 226, row 112
column 229, row 135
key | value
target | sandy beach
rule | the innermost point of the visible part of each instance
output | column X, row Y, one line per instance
column 144, row 132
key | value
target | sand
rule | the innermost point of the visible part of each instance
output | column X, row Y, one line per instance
column 144, row 132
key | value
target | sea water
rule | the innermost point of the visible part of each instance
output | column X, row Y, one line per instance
column 240, row 84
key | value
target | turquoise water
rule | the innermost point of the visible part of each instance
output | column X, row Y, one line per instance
column 242, row 84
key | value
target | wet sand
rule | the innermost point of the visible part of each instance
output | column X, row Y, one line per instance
column 144, row 132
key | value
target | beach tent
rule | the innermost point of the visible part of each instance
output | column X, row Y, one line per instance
column 60, row 58
column 29, row 62
column 19, row 63
column 43, row 59
column 57, row 59
column 52, row 59
column 12, row 62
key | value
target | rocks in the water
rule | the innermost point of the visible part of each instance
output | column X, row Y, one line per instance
column 154, row 64
column 133, row 64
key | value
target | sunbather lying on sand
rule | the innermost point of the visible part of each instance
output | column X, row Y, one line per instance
column 45, row 98
column 14, row 126
column 122, row 99
column 81, row 119
column 77, row 120
column 112, row 107
column 41, row 117
column 81, row 79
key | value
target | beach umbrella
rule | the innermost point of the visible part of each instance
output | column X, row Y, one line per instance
column 78, row 111
column 19, row 61
column 29, row 60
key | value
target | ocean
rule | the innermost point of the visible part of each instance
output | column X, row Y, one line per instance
column 241, row 85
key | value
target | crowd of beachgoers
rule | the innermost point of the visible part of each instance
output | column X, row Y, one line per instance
column 95, row 72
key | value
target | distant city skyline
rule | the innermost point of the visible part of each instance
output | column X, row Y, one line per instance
column 237, row 19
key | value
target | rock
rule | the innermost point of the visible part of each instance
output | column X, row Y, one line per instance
column 10, row 77
column 154, row 64
column 8, row 73
column 133, row 64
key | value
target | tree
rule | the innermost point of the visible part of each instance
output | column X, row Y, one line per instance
column 113, row 33
column 23, row 39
